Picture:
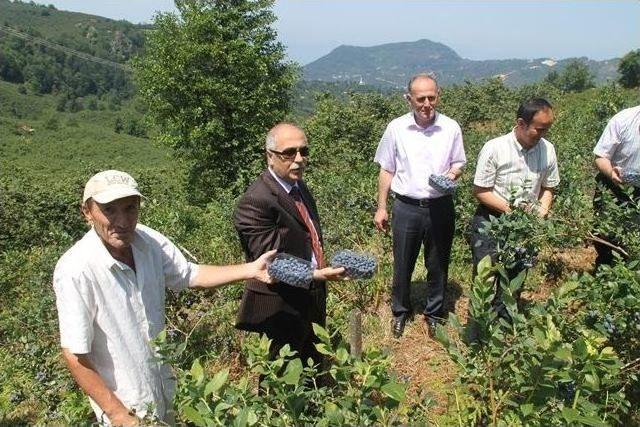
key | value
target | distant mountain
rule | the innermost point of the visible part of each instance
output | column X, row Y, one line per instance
column 391, row 65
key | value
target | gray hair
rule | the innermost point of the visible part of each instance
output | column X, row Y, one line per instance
column 430, row 75
column 271, row 140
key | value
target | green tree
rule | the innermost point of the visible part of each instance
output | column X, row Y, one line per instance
column 552, row 78
column 629, row 69
column 576, row 77
column 216, row 79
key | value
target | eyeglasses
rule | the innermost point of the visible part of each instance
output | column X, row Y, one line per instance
column 290, row 153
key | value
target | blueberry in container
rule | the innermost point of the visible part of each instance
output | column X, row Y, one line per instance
column 630, row 176
column 357, row 265
column 291, row 270
column 443, row 184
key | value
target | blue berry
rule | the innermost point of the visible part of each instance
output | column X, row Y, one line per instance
column 356, row 265
column 443, row 184
column 608, row 324
column 41, row 376
column 291, row 270
column 525, row 258
column 567, row 391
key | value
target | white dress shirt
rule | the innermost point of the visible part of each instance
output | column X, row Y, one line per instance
column 412, row 153
column 620, row 140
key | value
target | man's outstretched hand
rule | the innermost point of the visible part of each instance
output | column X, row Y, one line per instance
column 259, row 267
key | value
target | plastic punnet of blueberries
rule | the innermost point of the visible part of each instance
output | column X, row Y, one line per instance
column 357, row 265
column 443, row 184
column 630, row 176
column 291, row 270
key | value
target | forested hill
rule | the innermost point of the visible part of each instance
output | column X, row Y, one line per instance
column 390, row 65
column 42, row 47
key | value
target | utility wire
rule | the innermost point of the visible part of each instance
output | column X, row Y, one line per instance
column 55, row 46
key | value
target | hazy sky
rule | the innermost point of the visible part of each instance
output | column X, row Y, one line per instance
column 474, row 29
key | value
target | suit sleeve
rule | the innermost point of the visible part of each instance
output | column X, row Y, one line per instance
column 255, row 222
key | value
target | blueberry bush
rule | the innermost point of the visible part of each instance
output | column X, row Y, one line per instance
column 570, row 356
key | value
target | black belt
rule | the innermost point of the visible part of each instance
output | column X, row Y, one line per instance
column 419, row 202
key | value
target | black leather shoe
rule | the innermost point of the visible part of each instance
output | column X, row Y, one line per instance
column 398, row 326
column 432, row 324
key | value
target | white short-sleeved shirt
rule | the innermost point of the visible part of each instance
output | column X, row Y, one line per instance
column 412, row 153
column 109, row 313
column 620, row 140
column 511, row 169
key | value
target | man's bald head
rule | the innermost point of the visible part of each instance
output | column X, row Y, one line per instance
column 282, row 130
column 287, row 151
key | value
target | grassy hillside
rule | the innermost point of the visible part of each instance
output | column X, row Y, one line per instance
column 88, row 33
column 50, row 144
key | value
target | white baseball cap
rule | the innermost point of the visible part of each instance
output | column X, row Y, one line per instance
column 107, row 186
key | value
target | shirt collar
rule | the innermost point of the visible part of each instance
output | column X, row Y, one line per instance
column 284, row 184
column 414, row 125
column 519, row 148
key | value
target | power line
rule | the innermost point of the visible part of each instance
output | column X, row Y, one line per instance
column 55, row 46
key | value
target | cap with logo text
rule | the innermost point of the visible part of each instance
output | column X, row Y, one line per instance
column 107, row 186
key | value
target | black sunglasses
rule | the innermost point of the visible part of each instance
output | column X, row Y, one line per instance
column 290, row 153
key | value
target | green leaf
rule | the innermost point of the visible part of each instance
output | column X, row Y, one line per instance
column 193, row 415
column 591, row 421
column 292, row 373
column 342, row 355
column 242, row 419
column 593, row 380
column 252, row 418
column 563, row 353
column 217, row 382
column 322, row 334
column 222, row 406
column 196, row 371
column 323, row 349
column 580, row 348
column 394, row 391
column 526, row 409
column 569, row 414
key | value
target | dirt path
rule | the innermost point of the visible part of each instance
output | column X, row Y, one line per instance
column 422, row 361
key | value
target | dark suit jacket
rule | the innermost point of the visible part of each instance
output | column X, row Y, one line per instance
column 266, row 218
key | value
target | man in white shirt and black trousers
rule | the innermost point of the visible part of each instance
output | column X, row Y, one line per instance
column 415, row 146
column 522, row 164
column 617, row 155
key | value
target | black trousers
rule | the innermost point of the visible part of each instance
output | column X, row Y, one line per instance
column 433, row 226
column 603, row 184
column 481, row 246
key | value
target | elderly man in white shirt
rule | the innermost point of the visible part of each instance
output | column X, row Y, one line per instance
column 519, row 167
column 110, row 295
column 617, row 154
column 415, row 146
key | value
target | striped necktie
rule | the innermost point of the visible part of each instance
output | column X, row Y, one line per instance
column 304, row 213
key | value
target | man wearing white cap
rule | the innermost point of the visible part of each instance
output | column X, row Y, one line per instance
column 110, row 296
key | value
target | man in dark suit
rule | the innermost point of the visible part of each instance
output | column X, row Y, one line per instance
column 278, row 212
